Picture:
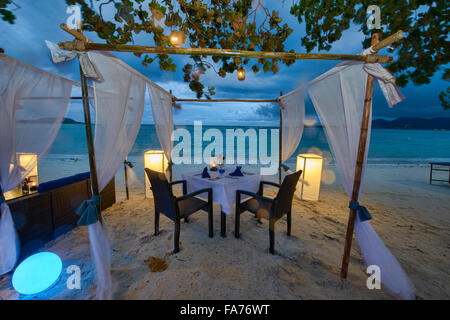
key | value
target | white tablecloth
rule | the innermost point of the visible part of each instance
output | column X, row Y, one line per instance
column 224, row 189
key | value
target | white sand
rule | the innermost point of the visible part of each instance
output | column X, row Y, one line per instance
column 411, row 217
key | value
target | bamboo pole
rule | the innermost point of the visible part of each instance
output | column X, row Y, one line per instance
column 170, row 164
column 88, row 127
column 389, row 40
column 77, row 34
column 80, row 45
column 89, row 138
column 1, row 190
column 358, row 168
column 126, row 179
column 280, row 150
column 225, row 100
column 1, row 195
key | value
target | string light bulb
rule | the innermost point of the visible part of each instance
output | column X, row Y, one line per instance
column 241, row 74
column 177, row 38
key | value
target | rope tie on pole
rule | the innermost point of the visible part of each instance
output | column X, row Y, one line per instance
column 128, row 164
column 362, row 211
column 88, row 211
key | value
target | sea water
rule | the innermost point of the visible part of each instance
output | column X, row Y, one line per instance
column 68, row 155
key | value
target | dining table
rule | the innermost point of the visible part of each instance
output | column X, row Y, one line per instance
column 224, row 188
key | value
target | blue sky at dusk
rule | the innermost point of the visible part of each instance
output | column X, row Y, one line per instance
column 37, row 21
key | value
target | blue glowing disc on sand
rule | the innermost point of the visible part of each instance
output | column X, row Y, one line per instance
column 37, row 273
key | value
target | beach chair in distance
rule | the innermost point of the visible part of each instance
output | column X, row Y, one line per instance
column 268, row 208
column 177, row 208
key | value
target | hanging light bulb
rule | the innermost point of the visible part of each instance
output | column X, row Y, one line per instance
column 241, row 74
column 177, row 38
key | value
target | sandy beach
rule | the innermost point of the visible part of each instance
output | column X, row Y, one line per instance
column 411, row 216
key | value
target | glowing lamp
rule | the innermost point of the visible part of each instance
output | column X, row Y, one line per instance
column 309, row 186
column 37, row 273
column 155, row 160
column 177, row 38
column 29, row 163
column 241, row 74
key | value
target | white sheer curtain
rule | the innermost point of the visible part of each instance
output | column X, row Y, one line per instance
column 161, row 103
column 32, row 106
column 119, row 105
column 338, row 96
column 293, row 115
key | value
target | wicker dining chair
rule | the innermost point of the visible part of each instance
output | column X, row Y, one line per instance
column 177, row 208
column 268, row 208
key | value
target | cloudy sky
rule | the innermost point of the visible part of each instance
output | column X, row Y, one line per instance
column 39, row 20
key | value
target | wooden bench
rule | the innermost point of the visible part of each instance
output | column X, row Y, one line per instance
column 441, row 166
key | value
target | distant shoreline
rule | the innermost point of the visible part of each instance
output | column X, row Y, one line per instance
column 435, row 124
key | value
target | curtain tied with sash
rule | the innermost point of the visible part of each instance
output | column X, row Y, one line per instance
column 338, row 97
column 33, row 103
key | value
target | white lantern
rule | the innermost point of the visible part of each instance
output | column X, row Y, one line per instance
column 29, row 162
column 309, row 186
column 155, row 160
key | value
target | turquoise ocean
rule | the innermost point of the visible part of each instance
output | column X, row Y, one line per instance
column 68, row 155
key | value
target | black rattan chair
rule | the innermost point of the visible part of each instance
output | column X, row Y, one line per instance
column 267, row 208
column 177, row 208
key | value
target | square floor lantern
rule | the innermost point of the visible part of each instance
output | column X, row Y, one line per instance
column 155, row 160
column 28, row 161
column 309, row 186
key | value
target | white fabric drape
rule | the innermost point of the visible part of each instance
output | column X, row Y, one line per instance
column 375, row 253
column 101, row 255
column 9, row 241
column 58, row 55
column 119, row 106
column 386, row 80
column 161, row 103
column 338, row 96
column 293, row 115
column 32, row 106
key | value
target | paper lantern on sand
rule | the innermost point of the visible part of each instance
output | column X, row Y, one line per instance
column 155, row 160
column 309, row 186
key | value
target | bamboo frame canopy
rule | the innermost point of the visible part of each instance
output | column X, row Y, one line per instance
column 81, row 43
